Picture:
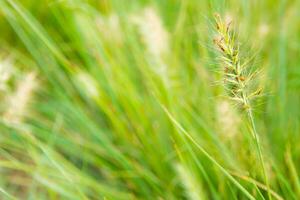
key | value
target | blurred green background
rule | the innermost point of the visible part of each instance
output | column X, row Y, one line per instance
column 84, row 85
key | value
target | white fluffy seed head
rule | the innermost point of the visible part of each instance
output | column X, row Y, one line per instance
column 153, row 32
column 18, row 101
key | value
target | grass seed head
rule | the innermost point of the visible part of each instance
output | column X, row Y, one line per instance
column 153, row 32
column 19, row 100
column 238, row 79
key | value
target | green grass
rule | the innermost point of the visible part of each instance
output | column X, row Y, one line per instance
column 113, row 99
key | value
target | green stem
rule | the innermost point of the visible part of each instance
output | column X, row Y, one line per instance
column 225, row 172
column 257, row 143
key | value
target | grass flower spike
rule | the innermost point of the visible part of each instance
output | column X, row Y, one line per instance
column 19, row 100
column 238, row 78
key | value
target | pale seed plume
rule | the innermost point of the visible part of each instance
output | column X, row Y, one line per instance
column 156, row 40
column 153, row 32
column 19, row 100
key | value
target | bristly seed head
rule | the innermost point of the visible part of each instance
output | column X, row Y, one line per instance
column 237, row 78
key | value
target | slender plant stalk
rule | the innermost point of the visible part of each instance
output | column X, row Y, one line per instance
column 257, row 183
column 258, row 147
column 224, row 171
column 237, row 79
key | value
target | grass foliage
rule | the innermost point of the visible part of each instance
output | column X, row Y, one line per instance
column 149, row 99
